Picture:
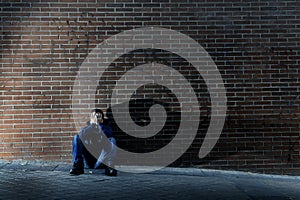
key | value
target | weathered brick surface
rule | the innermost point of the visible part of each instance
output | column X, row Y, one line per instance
column 255, row 46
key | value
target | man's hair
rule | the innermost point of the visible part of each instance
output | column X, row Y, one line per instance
column 97, row 110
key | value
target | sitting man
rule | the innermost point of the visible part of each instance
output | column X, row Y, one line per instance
column 94, row 146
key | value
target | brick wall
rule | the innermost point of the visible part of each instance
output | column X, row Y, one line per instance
column 255, row 45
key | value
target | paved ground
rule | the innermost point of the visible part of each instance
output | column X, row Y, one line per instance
column 34, row 180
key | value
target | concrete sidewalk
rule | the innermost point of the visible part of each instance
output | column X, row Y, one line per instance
column 42, row 180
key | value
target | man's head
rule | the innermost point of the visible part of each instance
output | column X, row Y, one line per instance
column 97, row 116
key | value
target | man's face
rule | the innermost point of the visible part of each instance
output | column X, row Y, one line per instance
column 99, row 117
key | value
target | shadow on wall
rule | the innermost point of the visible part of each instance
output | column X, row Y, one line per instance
column 139, row 111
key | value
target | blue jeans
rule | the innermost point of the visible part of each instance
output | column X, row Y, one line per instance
column 107, row 153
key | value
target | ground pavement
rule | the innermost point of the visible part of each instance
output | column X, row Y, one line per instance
column 40, row 180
